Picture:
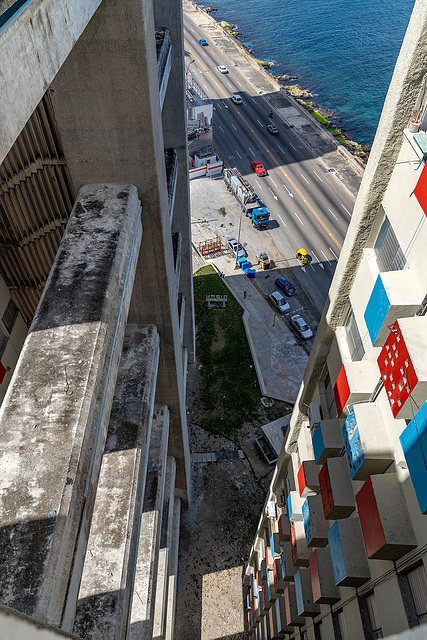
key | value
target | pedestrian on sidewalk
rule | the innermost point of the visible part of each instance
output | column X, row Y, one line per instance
column 244, row 294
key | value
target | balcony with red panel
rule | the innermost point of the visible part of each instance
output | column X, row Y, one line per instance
column 308, row 478
column 403, row 366
column 291, row 609
column 384, row 518
column 336, row 489
column 323, row 584
column 354, row 384
column 300, row 551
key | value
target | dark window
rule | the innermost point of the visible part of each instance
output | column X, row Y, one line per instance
column 9, row 316
column 389, row 253
column 354, row 340
column 417, row 581
column 370, row 617
column 340, row 628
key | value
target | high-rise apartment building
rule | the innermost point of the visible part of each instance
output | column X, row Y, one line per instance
column 96, row 284
column 341, row 547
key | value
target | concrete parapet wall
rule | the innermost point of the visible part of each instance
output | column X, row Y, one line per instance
column 107, row 581
column 54, row 418
column 147, row 555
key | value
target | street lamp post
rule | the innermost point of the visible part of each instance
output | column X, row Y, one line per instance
column 238, row 239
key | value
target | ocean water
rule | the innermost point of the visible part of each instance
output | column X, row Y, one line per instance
column 343, row 51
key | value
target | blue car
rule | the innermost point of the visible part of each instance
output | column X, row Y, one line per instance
column 286, row 286
column 203, row 42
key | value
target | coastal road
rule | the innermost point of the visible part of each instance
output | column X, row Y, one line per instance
column 309, row 205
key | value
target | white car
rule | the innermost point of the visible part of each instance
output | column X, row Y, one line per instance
column 222, row 68
column 301, row 326
column 236, row 98
column 279, row 301
column 236, row 248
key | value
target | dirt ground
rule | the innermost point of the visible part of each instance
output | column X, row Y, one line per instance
column 218, row 528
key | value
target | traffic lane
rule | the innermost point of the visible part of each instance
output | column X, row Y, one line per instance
column 293, row 215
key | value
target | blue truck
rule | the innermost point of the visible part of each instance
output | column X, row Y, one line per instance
column 246, row 197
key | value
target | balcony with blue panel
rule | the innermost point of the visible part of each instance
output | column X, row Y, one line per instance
column 367, row 449
column 315, row 525
column 414, row 444
column 396, row 294
column 327, row 440
column 348, row 555
column 304, row 595
column 294, row 506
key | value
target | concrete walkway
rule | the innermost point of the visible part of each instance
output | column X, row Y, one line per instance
column 278, row 356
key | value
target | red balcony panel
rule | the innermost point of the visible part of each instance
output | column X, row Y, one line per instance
column 308, row 478
column 336, row 489
column 402, row 365
column 341, row 390
column 292, row 617
column 323, row 585
column 384, row 518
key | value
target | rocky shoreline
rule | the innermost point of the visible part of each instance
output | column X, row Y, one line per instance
column 324, row 116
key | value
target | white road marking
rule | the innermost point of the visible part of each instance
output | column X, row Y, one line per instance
column 273, row 181
column 326, row 258
column 225, row 104
column 293, row 146
column 282, row 221
column 299, row 218
column 289, row 193
column 219, row 106
column 334, row 254
column 318, row 261
column 239, row 83
column 191, row 29
column 206, row 88
column 260, row 124
column 333, row 214
column 229, row 84
column 317, row 176
column 233, row 126
column 205, row 54
column 253, row 100
column 221, row 128
column 304, row 178
column 346, row 210
column 258, row 184
column 239, row 155
column 280, row 148
column 251, row 151
column 272, row 193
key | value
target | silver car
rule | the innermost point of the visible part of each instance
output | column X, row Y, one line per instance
column 301, row 326
column 235, row 247
column 236, row 98
column 277, row 299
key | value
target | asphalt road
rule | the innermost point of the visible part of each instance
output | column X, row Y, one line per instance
column 309, row 206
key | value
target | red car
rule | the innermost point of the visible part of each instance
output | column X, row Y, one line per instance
column 258, row 167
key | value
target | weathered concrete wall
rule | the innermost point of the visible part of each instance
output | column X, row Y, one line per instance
column 32, row 49
column 107, row 581
column 54, row 418
column 106, row 100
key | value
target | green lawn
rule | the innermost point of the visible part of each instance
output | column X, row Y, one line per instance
column 229, row 391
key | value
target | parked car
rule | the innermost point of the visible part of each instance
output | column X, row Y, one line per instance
column 263, row 260
column 236, row 98
column 286, row 286
column 203, row 42
column 279, row 301
column 222, row 68
column 301, row 326
column 235, row 247
column 259, row 168
column 271, row 128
